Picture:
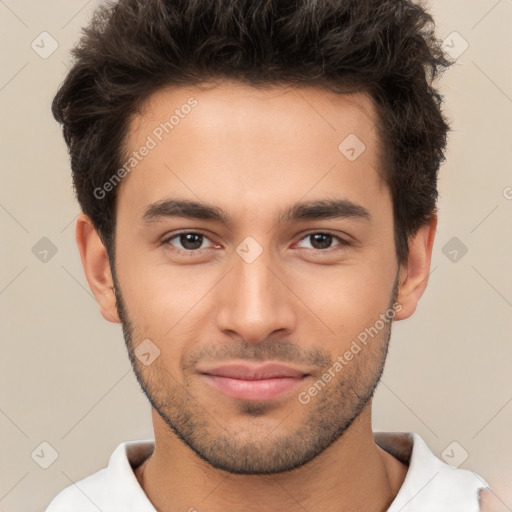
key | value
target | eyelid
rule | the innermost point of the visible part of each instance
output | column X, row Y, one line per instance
column 342, row 242
column 167, row 238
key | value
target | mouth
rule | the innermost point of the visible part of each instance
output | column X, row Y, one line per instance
column 264, row 382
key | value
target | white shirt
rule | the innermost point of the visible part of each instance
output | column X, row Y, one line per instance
column 430, row 485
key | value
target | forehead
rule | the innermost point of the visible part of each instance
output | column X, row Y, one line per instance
column 252, row 142
column 238, row 105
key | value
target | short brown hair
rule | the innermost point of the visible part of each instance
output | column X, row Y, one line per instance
column 132, row 48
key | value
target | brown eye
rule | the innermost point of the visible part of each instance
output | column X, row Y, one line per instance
column 189, row 241
column 322, row 241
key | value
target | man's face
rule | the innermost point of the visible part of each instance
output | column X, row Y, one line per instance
column 298, row 290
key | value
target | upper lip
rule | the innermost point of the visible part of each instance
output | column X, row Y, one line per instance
column 246, row 372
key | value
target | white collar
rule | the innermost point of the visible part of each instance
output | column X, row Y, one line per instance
column 430, row 484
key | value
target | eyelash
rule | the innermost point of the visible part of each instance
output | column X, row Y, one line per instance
column 341, row 242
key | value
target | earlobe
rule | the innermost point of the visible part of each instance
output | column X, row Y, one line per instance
column 96, row 267
column 415, row 273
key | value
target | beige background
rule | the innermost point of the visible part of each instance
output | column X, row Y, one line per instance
column 66, row 378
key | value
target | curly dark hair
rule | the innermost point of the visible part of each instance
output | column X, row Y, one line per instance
column 384, row 48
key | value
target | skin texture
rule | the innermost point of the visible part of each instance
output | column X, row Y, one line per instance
column 252, row 153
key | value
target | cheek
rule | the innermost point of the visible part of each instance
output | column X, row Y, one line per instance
column 163, row 300
column 346, row 299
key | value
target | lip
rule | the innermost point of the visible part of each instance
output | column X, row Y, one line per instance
column 257, row 383
column 247, row 372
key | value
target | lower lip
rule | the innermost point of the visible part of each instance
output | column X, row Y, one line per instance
column 264, row 389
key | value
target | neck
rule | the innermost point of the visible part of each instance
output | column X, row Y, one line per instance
column 354, row 473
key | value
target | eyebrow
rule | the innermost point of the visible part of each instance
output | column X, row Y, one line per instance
column 309, row 210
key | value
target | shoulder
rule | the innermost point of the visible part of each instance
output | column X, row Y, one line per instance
column 114, row 487
column 430, row 483
column 85, row 495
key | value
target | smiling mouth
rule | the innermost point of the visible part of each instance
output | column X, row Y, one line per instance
column 263, row 382
column 255, row 389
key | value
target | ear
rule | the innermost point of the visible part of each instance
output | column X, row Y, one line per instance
column 96, row 267
column 414, row 274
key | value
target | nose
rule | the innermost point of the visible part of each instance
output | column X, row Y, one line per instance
column 255, row 302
